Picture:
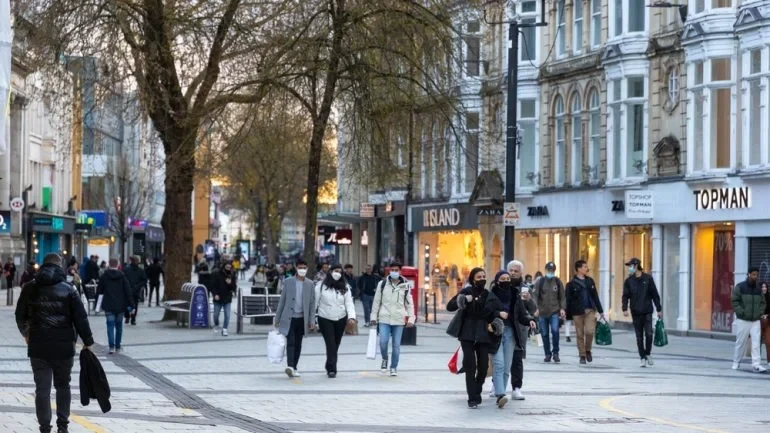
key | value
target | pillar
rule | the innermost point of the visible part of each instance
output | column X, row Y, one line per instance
column 741, row 252
column 657, row 256
column 685, row 245
column 605, row 267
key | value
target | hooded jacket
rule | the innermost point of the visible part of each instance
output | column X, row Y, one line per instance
column 224, row 285
column 50, row 313
column 117, row 292
column 393, row 303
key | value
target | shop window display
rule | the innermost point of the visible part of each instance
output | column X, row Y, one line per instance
column 452, row 255
column 537, row 247
column 627, row 242
column 713, row 277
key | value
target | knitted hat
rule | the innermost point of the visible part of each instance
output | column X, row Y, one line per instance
column 500, row 274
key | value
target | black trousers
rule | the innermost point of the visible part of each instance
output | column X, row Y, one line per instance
column 643, row 328
column 59, row 371
column 132, row 317
column 332, row 331
column 156, row 288
column 294, row 341
column 475, row 365
column 517, row 369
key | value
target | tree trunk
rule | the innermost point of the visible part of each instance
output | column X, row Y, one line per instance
column 177, row 224
column 272, row 252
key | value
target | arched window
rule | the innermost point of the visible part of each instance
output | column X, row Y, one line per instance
column 577, row 140
column 560, row 157
column 594, row 113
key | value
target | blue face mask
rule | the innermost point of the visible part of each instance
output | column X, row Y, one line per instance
column 394, row 275
column 549, row 274
column 631, row 269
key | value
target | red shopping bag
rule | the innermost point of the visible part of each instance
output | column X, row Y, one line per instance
column 456, row 362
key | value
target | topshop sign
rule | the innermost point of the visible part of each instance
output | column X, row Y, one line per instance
column 723, row 198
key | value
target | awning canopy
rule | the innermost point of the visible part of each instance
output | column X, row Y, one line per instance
column 337, row 219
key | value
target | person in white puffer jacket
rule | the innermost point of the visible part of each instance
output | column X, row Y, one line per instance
column 334, row 308
column 392, row 309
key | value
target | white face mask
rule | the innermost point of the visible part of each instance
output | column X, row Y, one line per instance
column 301, row 272
column 394, row 275
column 336, row 275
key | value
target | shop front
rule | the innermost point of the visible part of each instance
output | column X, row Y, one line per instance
column 50, row 233
column 154, row 238
column 448, row 246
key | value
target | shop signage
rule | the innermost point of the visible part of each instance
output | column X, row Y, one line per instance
column 377, row 198
column 723, row 198
column 639, row 204
column 366, row 210
column 448, row 217
column 365, row 238
column 537, row 211
column 489, row 211
column 722, row 279
column 618, row 206
column 55, row 223
column 511, row 217
column 17, row 204
column 155, row 234
column 5, row 221
column 97, row 218
column 344, row 237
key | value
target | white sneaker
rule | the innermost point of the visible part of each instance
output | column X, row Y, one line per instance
column 643, row 362
column 650, row 362
column 492, row 392
column 393, row 372
column 517, row 395
column 736, row 365
column 224, row 332
column 216, row 329
column 296, row 373
column 759, row 369
column 289, row 372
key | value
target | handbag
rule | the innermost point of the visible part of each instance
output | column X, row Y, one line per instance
column 371, row 345
column 351, row 328
column 456, row 361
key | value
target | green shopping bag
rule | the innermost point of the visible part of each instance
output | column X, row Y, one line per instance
column 661, row 339
column 603, row 334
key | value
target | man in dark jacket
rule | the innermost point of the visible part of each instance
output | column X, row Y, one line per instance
column 352, row 281
column 639, row 288
column 137, row 279
column 50, row 317
column 29, row 273
column 749, row 305
column 582, row 305
column 367, row 286
column 154, row 272
column 117, row 301
column 92, row 270
column 224, row 286
column 10, row 272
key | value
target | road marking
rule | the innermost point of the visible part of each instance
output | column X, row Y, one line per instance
column 607, row 405
column 84, row 422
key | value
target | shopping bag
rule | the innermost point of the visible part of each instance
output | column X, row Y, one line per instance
column 371, row 346
column 99, row 303
column 661, row 339
column 351, row 327
column 603, row 334
column 456, row 361
column 276, row 344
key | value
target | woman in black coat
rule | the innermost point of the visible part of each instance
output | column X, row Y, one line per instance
column 479, row 308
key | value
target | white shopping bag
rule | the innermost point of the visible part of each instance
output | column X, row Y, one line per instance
column 276, row 344
column 371, row 347
column 99, row 303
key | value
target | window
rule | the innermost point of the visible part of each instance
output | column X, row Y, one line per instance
column 618, row 27
column 673, row 85
column 629, row 16
column 596, row 23
column 560, row 28
column 614, row 161
column 560, row 165
column 637, row 15
column 471, row 150
column 528, row 49
column 755, row 111
column 715, row 4
column 635, row 115
column 577, row 140
column 711, row 99
column 473, row 55
column 627, row 128
column 577, row 27
column 594, row 121
column 720, row 110
column 698, row 114
column 528, row 164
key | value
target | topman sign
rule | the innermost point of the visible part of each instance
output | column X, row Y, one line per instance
column 722, row 198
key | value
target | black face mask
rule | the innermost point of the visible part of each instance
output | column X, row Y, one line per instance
column 505, row 285
column 516, row 281
column 481, row 284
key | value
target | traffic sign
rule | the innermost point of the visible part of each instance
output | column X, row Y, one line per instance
column 17, row 204
column 510, row 214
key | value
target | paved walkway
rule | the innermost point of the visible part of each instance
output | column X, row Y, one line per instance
column 173, row 379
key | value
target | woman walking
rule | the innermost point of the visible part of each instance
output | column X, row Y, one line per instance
column 479, row 308
column 393, row 310
column 334, row 308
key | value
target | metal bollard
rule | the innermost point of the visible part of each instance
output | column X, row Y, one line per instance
column 435, row 316
column 9, row 296
column 427, row 300
column 239, row 315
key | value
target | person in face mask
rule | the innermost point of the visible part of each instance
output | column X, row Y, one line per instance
column 392, row 310
column 334, row 308
column 294, row 315
column 551, row 303
column 478, row 308
column 639, row 289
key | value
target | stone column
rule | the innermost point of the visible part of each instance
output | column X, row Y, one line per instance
column 657, row 256
column 741, row 252
column 605, row 266
column 685, row 245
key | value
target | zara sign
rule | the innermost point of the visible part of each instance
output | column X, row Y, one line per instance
column 723, row 198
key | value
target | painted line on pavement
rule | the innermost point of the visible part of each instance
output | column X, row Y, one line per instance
column 607, row 404
column 84, row 422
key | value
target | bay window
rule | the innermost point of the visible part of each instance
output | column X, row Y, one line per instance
column 594, row 120
column 560, row 158
column 627, row 128
column 704, row 5
column 561, row 39
column 577, row 26
column 528, row 161
column 635, row 163
column 471, row 150
column 528, row 39
column 613, row 160
column 755, row 109
column 472, row 49
column 628, row 16
column 596, row 23
column 577, row 141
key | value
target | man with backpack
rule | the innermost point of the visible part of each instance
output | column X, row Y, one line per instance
column 392, row 310
column 551, row 303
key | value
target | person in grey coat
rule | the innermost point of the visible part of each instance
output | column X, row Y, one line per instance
column 295, row 315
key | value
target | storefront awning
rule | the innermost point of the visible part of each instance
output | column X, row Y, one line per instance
column 338, row 219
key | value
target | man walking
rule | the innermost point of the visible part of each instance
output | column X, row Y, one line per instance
column 367, row 284
column 393, row 310
column 10, row 272
column 551, row 303
column 352, row 281
column 224, row 287
column 749, row 305
column 117, row 301
column 321, row 275
column 137, row 279
column 582, row 305
column 295, row 315
column 50, row 317
column 154, row 272
column 639, row 288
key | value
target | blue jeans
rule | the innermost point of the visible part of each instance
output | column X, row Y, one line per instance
column 388, row 332
column 114, row 329
column 551, row 322
column 502, row 362
column 368, row 301
column 217, row 308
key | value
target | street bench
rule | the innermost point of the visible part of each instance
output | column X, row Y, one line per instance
column 181, row 306
column 259, row 306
